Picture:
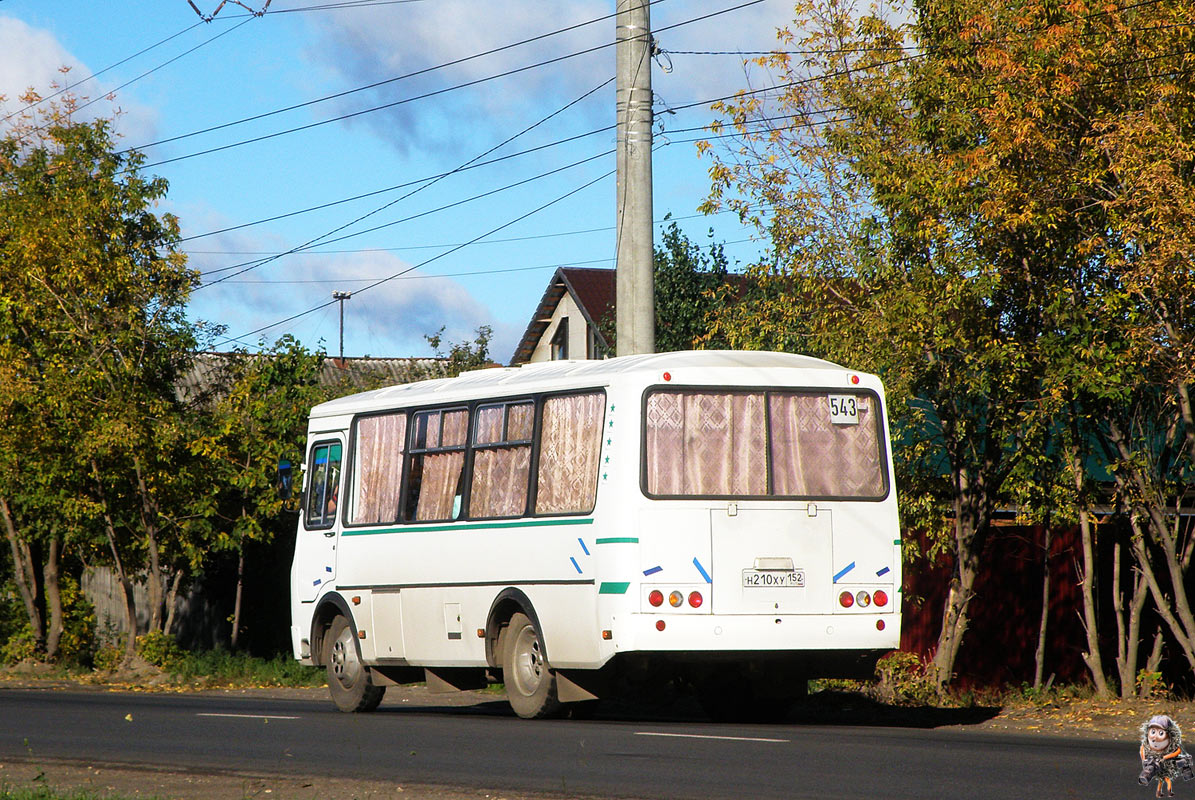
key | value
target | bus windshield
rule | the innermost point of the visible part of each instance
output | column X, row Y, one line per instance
column 800, row 444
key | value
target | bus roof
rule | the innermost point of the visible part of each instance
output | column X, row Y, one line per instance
column 554, row 374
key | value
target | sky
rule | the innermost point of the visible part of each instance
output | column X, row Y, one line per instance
column 465, row 147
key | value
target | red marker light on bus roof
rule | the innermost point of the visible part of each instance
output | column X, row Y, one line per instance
column 855, row 379
column 667, row 376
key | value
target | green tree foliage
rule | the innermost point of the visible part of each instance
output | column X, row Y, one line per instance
column 92, row 337
column 255, row 418
column 991, row 207
column 691, row 284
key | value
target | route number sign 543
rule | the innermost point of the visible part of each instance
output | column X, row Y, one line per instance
column 844, row 409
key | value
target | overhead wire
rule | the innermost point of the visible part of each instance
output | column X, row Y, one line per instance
column 434, row 258
column 405, row 100
column 432, row 182
column 100, row 72
column 508, row 240
column 376, row 84
column 165, row 63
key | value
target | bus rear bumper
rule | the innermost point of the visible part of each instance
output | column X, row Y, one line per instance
column 727, row 633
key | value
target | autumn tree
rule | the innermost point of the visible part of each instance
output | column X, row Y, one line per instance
column 952, row 201
column 92, row 335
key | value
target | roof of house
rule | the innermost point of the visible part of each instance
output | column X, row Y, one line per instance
column 592, row 289
column 353, row 374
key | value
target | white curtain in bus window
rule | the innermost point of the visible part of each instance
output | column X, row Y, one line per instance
column 377, row 468
column 813, row 457
column 706, row 443
column 440, row 488
column 501, row 460
column 570, row 445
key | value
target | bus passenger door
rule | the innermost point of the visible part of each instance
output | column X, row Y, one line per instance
column 315, row 550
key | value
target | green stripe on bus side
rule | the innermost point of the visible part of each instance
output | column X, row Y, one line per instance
column 618, row 540
column 614, row 588
column 475, row 526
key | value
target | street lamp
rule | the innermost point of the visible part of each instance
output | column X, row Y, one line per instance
column 341, row 297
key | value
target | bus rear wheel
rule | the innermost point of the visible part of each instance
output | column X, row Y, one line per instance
column 349, row 680
column 530, row 682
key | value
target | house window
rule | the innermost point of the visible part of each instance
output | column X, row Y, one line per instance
column 560, row 341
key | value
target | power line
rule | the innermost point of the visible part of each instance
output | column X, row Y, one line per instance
column 98, row 73
column 507, row 240
column 399, row 274
column 501, row 144
column 376, row 84
column 406, row 100
column 250, row 265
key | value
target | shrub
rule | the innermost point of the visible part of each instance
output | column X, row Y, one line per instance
column 904, row 679
column 160, row 649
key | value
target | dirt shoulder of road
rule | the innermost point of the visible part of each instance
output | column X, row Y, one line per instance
column 1088, row 718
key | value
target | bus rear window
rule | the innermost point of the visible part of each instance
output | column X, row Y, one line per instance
column 816, row 444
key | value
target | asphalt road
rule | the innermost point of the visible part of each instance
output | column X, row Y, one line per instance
column 484, row 747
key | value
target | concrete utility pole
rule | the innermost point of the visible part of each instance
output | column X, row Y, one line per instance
column 341, row 297
column 635, row 294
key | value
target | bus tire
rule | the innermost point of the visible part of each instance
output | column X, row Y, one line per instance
column 349, row 681
column 530, row 682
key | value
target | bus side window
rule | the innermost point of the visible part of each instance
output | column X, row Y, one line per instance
column 323, row 493
column 569, row 448
column 437, row 461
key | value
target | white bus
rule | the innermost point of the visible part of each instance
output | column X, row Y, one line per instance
column 720, row 521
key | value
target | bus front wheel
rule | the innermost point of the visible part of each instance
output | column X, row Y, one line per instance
column 349, row 680
column 530, row 682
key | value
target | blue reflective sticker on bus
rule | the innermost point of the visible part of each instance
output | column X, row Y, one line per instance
column 883, row 571
column 575, row 564
column 327, row 569
column 583, row 547
column 317, row 581
column 844, row 571
column 701, row 569
column 653, row 570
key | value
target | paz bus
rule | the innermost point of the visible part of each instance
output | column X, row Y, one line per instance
column 715, row 520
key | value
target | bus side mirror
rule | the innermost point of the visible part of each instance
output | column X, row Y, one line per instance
column 286, row 479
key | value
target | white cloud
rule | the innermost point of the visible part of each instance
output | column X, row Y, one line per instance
column 371, row 44
column 33, row 59
column 365, row 45
column 388, row 320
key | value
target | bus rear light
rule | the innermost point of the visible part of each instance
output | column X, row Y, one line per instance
column 846, row 599
column 863, row 599
column 855, row 379
column 659, row 624
column 880, row 597
column 695, row 599
column 607, row 635
column 667, row 376
column 656, row 597
column 879, row 624
column 675, row 599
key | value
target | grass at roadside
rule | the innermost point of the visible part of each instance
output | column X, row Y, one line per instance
column 42, row 792
column 222, row 668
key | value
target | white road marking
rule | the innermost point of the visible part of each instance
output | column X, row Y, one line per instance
column 721, row 738
column 246, row 716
